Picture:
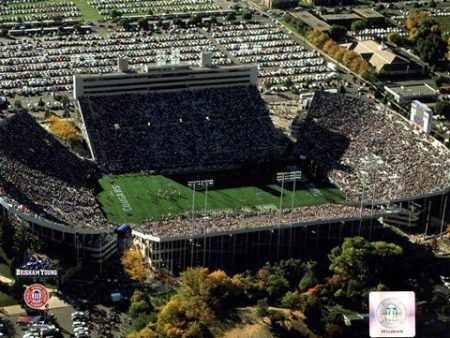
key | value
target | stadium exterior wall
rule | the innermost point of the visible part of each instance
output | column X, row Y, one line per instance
column 241, row 247
column 95, row 245
column 238, row 248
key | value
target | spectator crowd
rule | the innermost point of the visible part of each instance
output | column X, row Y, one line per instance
column 201, row 128
column 44, row 177
column 371, row 152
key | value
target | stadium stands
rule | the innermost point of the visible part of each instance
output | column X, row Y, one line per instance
column 44, row 177
column 224, row 222
column 197, row 129
column 340, row 131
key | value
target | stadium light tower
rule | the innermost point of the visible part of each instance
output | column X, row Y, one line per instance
column 197, row 185
column 288, row 176
column 282, row 177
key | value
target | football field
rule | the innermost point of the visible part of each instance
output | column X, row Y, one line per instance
column 135, row 198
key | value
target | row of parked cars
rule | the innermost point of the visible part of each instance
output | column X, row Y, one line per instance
column 80, row 325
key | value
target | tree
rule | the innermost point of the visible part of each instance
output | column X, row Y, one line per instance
column 443, row 108
column 18, row 104
column 288, row 82
column 23, row 239
column 247, row 16
column 431, row 48
column 4, row 33
column 195, row 20
column 231, row 17
column 368, row 262
column 62, row 129
column 358, row 25
column 262, row 307
column 308, row 280
column 143, row 24
column 414, row 22
column 115, row 14
column 291, row 299
column 41, row 102
column 338, row 32
column 133, row 264
column 124, row 23
column 395, row 38
column 178, row 22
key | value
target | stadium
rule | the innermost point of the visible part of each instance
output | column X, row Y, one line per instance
column 186, row 162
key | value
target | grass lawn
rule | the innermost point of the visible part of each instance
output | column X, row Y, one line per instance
column 148, row 197
column 444, row 22
column 5, row 265
column 89, row 12
column 7, row 300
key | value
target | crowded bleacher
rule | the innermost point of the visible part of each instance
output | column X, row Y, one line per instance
column 190, row 129
column 371, row 152
column 39, row 175
column 224, row 221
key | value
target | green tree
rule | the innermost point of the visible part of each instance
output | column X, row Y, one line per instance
column 247, row 16
column 18, row 104
column 431, row 48
column 394, row 38
column 443, row 108
column 231, row 17
column 291, row 299
column 195, row 20
column 338, row 32
column 178, row 22
column 143, row 24
column 350, row 259
column 358, row 25
column 308, row 281
column 262, row 307
column 41, row 102
column 124, row 23
column 115, row 14
column 288, row 82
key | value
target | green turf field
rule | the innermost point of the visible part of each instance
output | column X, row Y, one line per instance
column 134, row 198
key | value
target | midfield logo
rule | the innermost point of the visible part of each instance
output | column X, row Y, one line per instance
column 35, row 266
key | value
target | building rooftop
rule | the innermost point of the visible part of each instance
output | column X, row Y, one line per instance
column 411, row 90
column 368, row 13
column 340, row 17
column 312, row 20
column 378, row 55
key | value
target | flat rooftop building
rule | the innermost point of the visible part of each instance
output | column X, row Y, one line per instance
column 341, row 18
column 280, row 4
column 404, row 94
column 311, row 21
column 369, row 14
